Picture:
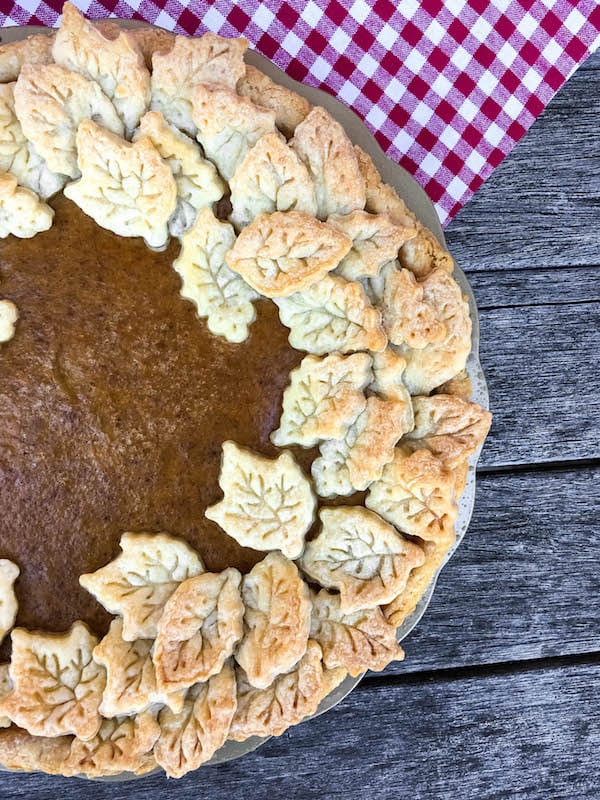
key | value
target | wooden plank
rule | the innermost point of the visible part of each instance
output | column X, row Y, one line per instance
column 524, row 736
column 541, row 364
column 540, row 207
column 535, row 287
column 524, row 583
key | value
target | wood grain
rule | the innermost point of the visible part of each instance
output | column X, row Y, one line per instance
column 515, row 735
column 524, row 584
column 540, row 208
column 535, row 287
column 541, row 364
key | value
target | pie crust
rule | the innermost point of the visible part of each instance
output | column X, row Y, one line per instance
column 148, row 132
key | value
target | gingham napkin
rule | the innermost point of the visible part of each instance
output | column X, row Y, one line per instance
column 448, row 88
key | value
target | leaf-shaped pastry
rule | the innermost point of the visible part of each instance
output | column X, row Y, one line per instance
column 407, row 316
column 57, row 685
column 358, row 641
column 191, row 738
column 140, row 580
column 207, row 59
column 200, row 626
column 123, row 744
column 451, row 428
column 268, row 503
column 422, row 253
column 388, row 382
column 130, row 675
column 289, row 107
column 362, row 556
column 333, row 314
column 124, row 187
column 9, row 314
column 375, row 241
column 432, row 365
column 23, row 752
column 36, row 49
column 270, row 178
column 9, row 573
column 151, row 41
column 285, row 702
column 17, row 154
column 115, row 64
column 5, row 688
column 324, row 397
column 276, row 621
column 284, row 252
column 416, row 494
column 458, row 386
column 322, row 144
column 22, row 213
column 419, row 579
column 50, row 103
column 198, row 184
column 218, row 293
column 228, row 125
column 351, row 463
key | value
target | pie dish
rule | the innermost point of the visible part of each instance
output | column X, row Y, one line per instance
column 236, row 422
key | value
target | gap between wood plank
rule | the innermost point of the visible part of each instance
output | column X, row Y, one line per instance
column 542, row 466
column 452, row 674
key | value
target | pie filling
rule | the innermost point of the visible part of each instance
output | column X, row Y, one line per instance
column 114, row 404
column 229, row 468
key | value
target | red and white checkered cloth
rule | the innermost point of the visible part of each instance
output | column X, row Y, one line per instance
column 448, row 88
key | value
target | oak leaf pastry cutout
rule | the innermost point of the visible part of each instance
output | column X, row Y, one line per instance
column 289, row 107
column 123, row 744
column 228, row 125
column 209, row 59
column 333, row 314
column 451, row 428
column 201, row 624
column 284, row 252
column 50, row 103
column 358, row 641
column 268, row 504
column 198, row 184
column 193, row 736
column 388, row 381
column 130, row 675
column 218, row 293
column 9, row 573
column 17, row 154
column 276, row 620
column 416, row 494
column 140, row 580
column 115, row 64
column 422, row 253
column 286, row 701
column 57, row 685
column 375, row 241
column 418, row 581
column 323, row 145
column 361, row 556
column 22, row 213
column 124, row 187
column 325, row 395
column 36, row 49
column 5, row 688
column 437, row 362
column 270, row 178
column 351, row 463
column 408, row 317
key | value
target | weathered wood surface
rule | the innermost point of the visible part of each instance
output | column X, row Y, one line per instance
column 469, row 715
column 514, row 734
column 541, row 207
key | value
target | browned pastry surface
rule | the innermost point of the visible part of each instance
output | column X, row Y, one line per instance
column 114, row 402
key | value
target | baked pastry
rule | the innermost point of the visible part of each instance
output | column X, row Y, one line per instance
column 222, row 320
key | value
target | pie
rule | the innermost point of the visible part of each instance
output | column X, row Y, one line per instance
column 234, row 413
